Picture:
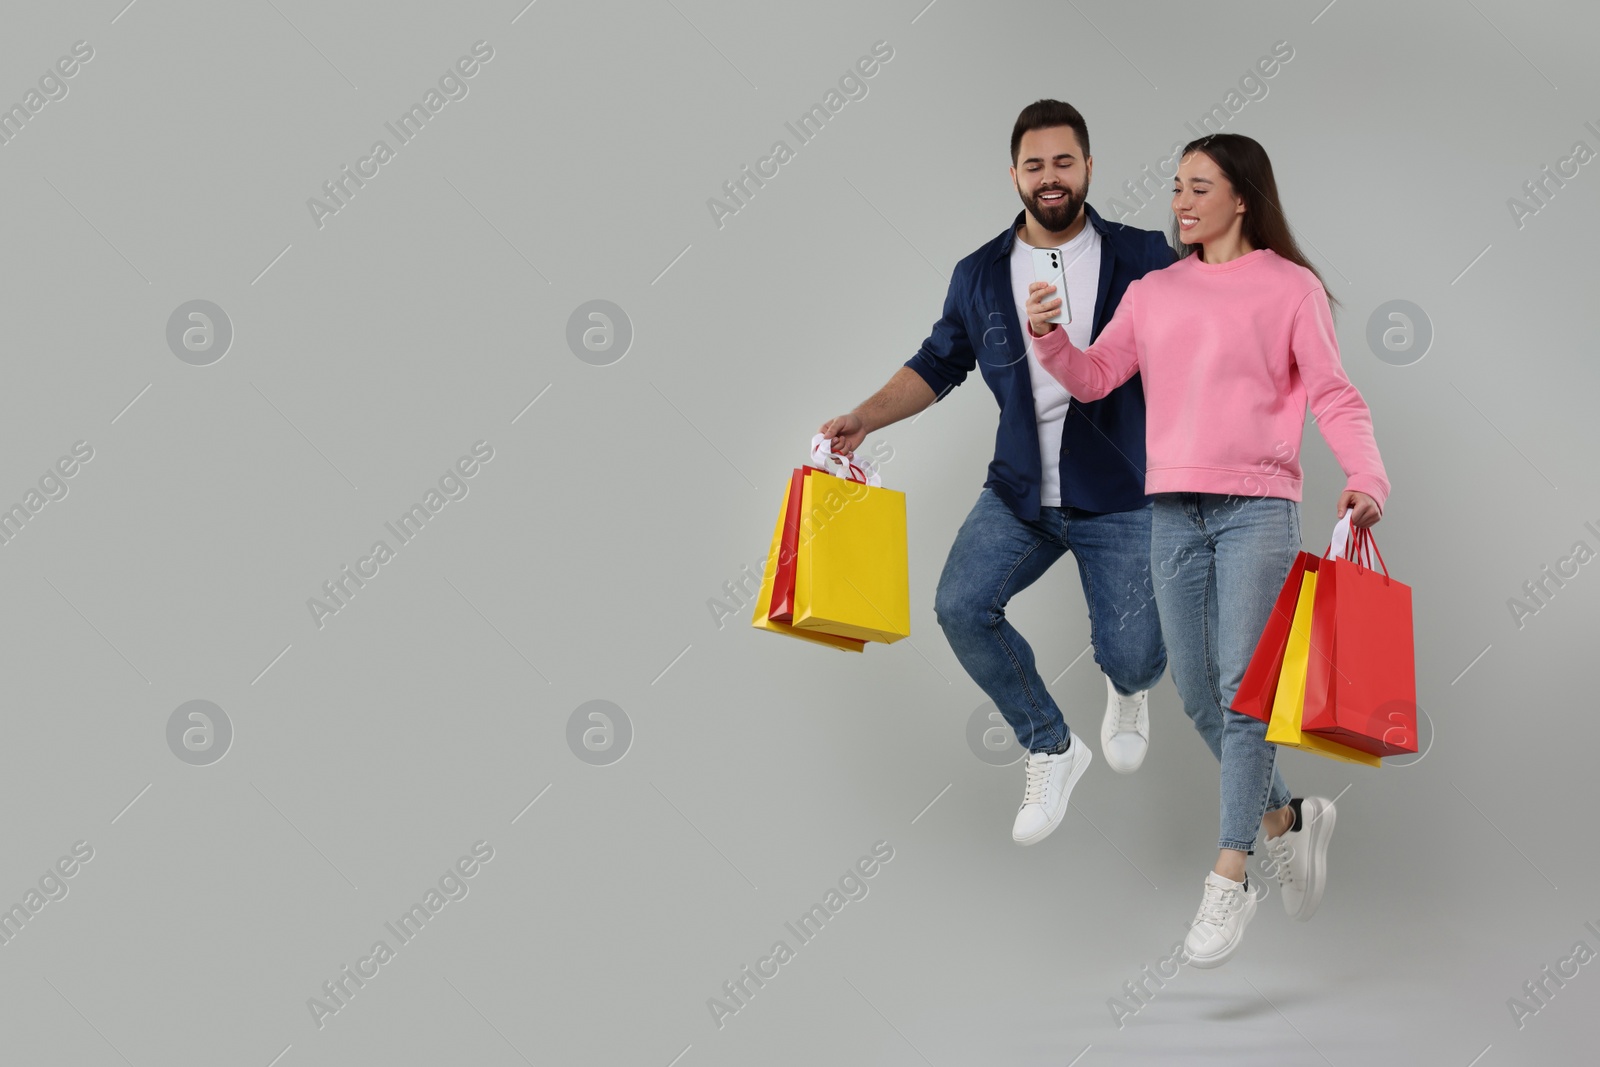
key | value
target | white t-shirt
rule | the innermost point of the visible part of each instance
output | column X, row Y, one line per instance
column 1050, row 397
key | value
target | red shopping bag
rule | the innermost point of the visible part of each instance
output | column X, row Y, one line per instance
column 782, row 609
column 1361, row 680
column 1260, row 682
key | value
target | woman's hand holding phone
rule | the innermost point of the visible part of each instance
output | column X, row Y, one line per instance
column 1042, row 307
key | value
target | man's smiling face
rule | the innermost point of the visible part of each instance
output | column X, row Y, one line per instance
column 1051, row 176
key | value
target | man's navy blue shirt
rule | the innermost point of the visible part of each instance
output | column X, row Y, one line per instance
column 1102, row 441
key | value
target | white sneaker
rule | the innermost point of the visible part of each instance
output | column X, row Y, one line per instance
column 1125, row 730
column 1219, row 925
column 1300, row 858
column 1050, row 782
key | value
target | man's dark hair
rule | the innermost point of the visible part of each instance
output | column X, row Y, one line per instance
column 1045, row 113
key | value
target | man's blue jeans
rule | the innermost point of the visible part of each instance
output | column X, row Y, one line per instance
column 1218, row 563
column 997, row 555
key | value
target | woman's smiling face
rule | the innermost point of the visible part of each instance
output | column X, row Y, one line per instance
column 1203, row 201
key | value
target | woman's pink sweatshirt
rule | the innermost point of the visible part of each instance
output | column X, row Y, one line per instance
column 1229, row 354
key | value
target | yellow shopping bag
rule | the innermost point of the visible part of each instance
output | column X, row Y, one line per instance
column 1290, row 701
column 852, row 577
column 764, row 599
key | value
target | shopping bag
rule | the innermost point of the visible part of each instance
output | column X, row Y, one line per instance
column 851, row 573
column 761, row 620
column 1260, row 682
column 1361, row 684
column 1288, row 701
column 782, row 609
column 864, row 470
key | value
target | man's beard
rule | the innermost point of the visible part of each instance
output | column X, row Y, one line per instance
column 1058, row 216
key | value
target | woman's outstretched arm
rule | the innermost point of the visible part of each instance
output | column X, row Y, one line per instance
column 1088, row 374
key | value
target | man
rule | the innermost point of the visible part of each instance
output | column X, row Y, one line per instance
column 1066, row 476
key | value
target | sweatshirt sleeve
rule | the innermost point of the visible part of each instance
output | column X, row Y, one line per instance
column 1089, row 374
column 1342, row 416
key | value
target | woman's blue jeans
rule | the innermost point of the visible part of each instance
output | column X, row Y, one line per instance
column 1218, row 563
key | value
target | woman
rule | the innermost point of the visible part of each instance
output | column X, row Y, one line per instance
column 1231, row 342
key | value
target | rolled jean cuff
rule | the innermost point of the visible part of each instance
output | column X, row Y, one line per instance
column 1054, row 748
column 1247, row 846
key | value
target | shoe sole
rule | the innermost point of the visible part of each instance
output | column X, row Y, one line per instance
column 1066, row 795
column 1208, row 962
column 1321, row 829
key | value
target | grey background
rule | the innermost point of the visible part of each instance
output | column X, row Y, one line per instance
column 370, row 354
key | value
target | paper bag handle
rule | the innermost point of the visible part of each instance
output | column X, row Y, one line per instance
column 1358, row 546
column 852, row 469
column 1368, row 548
column 1340, row 543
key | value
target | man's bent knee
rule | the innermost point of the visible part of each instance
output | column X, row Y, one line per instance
column 956, row 612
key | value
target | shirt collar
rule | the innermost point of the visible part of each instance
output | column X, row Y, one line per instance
column 1008, row 239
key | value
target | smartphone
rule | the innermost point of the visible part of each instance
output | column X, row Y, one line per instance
column 1047, row 267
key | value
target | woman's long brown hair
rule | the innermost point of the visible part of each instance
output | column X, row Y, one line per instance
column 1244, row 163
